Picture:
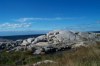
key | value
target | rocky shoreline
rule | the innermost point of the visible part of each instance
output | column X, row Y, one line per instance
column 53, row 41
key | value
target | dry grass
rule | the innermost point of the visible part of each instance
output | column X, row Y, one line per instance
column 82, row 56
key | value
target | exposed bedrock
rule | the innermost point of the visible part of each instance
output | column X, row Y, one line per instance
column 54, row 41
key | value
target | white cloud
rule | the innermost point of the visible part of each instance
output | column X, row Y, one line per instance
column 14, row 25
column 55, row 18
column 24, row 19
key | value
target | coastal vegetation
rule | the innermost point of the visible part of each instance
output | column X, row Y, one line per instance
column 82, row 56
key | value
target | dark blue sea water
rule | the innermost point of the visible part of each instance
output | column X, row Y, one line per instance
column 96, row 31
column 16, row 37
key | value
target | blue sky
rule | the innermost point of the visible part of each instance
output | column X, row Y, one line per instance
column 30, row 15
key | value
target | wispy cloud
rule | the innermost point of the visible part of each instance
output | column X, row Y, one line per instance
column 55, row 18
column 14, row 25
column 27, row 23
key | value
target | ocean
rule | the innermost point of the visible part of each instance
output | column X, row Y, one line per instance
column 16, row 37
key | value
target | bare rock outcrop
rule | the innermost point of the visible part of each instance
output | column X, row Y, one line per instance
column 53, row 41
column 41, row 38
column 28, row 41
column 62, row 39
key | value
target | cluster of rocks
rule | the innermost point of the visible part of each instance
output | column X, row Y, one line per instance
column 53, row 41
column 9, row 44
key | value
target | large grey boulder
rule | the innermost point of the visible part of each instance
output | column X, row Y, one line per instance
column 61, row 36
column 41, row 38
column 27, row 41
column 24, row 43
